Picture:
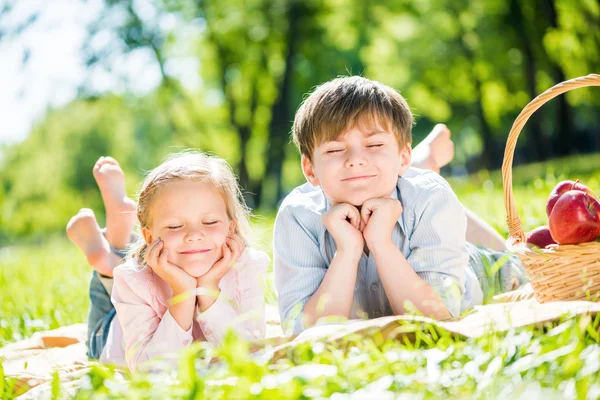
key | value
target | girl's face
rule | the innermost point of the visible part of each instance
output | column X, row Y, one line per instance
column 191, row 219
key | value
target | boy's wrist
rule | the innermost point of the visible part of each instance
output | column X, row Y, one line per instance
column 351, row 256
column 381, row 246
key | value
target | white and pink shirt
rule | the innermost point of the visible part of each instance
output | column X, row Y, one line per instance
column 144, row 328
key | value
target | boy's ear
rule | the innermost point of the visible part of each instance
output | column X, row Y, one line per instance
column 147, row 235
column 405, row 159
column 308, row 171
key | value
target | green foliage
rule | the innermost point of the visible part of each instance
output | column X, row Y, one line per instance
column 472, row 65
column 559, row 360
column 43, row 287
column 532, row 183
column 555, row 361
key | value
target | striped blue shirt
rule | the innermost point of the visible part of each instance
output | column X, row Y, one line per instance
column 430, row 233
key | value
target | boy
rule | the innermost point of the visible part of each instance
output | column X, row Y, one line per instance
column 367, row 232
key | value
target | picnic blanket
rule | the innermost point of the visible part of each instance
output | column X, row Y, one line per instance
column 33, row 361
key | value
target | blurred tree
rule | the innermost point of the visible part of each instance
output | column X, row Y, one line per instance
column 230, row 74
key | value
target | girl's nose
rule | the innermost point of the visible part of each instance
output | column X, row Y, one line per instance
column 193, row 235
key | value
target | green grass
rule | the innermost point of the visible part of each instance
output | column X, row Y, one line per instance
column 45, row 286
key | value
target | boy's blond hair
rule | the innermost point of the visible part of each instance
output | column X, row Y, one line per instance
column 344, row 103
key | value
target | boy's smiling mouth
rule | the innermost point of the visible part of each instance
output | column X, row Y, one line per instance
column 357, row 178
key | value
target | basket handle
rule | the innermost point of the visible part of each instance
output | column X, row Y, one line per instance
column 515, row 229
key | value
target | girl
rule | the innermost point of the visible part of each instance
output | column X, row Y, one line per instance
column 192, row 275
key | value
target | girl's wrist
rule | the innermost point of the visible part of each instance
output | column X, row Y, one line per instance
column 207, row 298
column 180, row 289
column 209, row 285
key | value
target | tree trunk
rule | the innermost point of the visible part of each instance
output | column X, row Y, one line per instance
column 487, row 159
column 281, row 114
column 537, row 148
column 563, row 144
column 244, row 176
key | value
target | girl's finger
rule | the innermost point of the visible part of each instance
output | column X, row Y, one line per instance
column 152, row 252
column 236, row 249
column 162, row 259
column 238, row 240
column 226, row 255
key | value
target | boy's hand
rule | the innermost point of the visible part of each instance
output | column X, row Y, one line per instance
column 156, row 258
column 379, row 215
column 344, row 224
column 232, row 250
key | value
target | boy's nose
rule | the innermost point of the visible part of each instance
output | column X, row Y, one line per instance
column 355, row 158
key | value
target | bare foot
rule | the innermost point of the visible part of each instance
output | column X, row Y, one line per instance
column 435, row 151
column 120, row 209
column 83, row 230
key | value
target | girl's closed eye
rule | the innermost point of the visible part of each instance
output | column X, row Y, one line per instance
column 172, row 227
column 211, row 223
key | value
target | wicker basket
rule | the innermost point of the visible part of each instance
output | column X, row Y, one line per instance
column 563, row 272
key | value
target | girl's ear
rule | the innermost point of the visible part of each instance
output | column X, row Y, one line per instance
column 232, row 226
column 147, row 235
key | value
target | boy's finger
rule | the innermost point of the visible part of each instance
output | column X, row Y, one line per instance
column 365, row 214
column 354, row 218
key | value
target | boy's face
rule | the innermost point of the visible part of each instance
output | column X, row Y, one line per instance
column 362, row 163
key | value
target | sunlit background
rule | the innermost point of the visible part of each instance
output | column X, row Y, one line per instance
column 140, row 79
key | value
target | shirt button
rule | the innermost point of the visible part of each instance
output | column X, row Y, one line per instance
column 374, row 287
column 378, row 313
column 186, row 341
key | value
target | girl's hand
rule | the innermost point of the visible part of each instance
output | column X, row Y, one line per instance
column 156, row 258
column 232, row 250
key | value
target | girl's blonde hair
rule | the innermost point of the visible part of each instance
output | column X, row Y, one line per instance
column 196, row 166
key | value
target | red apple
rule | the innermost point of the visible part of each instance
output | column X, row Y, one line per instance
column 540, row 237
column 561, row 189
column 575, row 218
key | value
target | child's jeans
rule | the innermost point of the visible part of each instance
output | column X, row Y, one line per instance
column 101, row 311
column 100, row 316
column 497, row 271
